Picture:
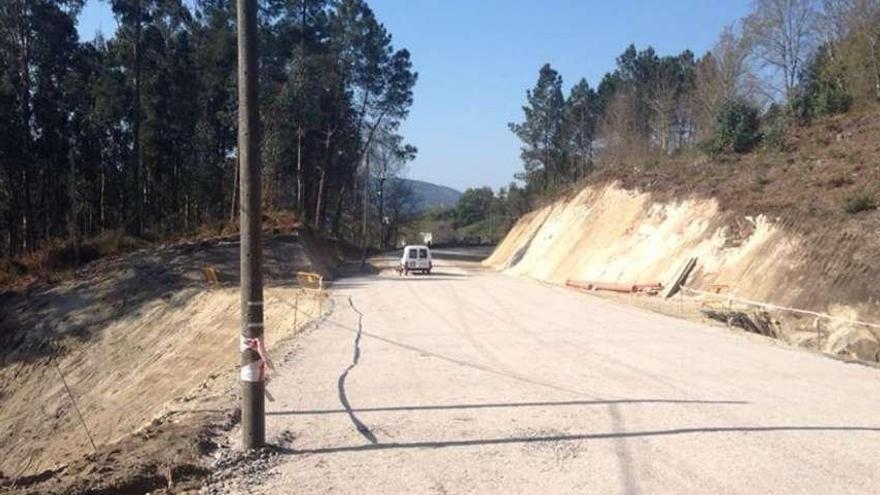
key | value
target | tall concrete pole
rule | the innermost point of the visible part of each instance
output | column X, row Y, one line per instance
column 253, row 427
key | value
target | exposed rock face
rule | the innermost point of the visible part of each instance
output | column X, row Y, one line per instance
column 610, row 234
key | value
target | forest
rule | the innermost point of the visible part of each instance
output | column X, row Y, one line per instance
column 136, row 132
column 785, row 64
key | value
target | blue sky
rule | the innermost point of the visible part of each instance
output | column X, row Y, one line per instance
column 476, row 58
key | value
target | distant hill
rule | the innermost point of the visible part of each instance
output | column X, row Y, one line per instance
column 432, row 196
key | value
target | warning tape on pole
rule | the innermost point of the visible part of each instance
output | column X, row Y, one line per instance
column 782, row 308
column 255, row 371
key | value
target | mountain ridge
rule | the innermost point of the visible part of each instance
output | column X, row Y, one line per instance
column 432, row 196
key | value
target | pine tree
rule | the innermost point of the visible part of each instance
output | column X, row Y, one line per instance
column 542, row 131
column 582, row 114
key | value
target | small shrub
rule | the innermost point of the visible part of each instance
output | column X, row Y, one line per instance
column 839, row 181
column 736, row 129
column 820, row 92
column 760, row 180
column 853, row 157
column 773, row 128
column 760, row 177
column 832, row 101
column 66, row 256
column 820, row 101
column 837, row 154
column 10, row 270
column 800, row 107
column 860, row 202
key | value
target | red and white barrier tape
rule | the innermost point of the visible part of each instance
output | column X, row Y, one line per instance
column 782, row 308
column 256, row 370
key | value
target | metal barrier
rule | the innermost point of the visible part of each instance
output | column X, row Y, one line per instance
column 310, row 280
column 819, row 316
column 211, row 275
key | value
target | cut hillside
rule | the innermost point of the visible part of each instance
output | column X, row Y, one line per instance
column 148, row 346
column 796, row 228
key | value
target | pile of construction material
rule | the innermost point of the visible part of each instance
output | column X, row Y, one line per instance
column 651, row 288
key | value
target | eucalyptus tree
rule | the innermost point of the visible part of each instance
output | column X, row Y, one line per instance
column 38, row 43
column 131, row 16
column 137, row 131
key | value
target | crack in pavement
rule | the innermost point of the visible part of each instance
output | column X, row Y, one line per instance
column 340, row 383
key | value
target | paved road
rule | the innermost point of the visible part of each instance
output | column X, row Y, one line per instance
column 474, row 382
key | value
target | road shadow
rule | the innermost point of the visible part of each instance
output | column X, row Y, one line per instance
column 355, row 283
column 497, row 405
column 427, row 278
column 577, row 437
column 436, row 273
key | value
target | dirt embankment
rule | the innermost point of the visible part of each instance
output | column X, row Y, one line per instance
column 147, row 345
column 770, row 227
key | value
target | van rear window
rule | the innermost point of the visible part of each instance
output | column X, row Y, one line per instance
column 413, row 254
column 423, row 253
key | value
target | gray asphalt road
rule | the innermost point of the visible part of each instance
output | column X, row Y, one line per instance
column 468, row 381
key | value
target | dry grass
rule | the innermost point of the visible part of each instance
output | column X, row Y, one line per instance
column 57, row 260
column 815, row 172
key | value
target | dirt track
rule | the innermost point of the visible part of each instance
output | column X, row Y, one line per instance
column 469, row 381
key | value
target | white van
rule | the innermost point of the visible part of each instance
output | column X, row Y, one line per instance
column 415, row 259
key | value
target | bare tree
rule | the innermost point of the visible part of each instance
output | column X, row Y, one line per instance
column 783, row 35
column 735, row 75
column 664, row 105
column 851, row 30
column 618, row 130
column 724, row 74
column 390, row 155
column 835, row 20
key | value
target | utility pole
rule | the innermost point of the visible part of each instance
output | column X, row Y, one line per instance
column 253, row 428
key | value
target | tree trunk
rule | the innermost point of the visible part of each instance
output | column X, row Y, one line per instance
column 382, row 211
column 300, row 205
column 13, row 214
column 102, row 199
column 318, row 202
column 872, row 43
column 74, row 210
column 327, row 162
column 365, row 208
column 136, row 128
column 337, row 214
column 25, row 89
column 234, row 194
